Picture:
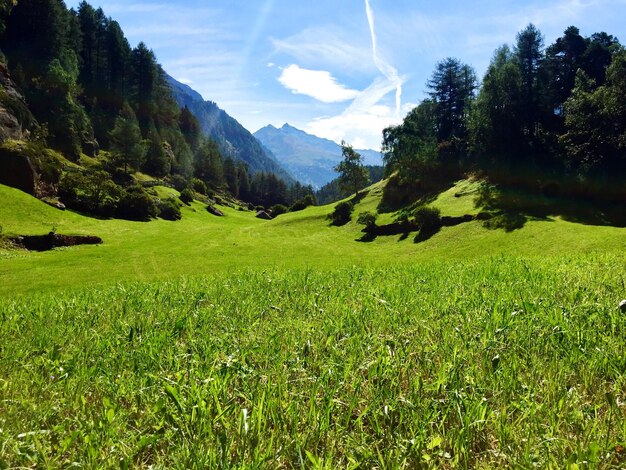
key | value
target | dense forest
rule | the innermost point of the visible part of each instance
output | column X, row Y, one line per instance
column 93, row 94
column 549, row 120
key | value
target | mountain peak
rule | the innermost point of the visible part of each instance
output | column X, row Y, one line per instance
column 309, row 158
column 289, row 128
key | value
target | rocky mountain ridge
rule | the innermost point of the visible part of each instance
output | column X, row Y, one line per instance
column 309, row 158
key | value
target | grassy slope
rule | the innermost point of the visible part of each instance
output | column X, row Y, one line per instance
column 201, row 243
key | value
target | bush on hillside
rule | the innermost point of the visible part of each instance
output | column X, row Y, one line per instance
column 186, row 195
column 136, row 204
column 90, row 191
column 368, row 219
column 427, row 218
column 278, row 209
column 342, row 213
column 199, row 186
column 169, row 209
column 178, row 182
column 303, row 203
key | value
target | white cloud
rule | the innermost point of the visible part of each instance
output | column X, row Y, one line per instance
column 361, row 127
column 327, row 47
column 318, row 84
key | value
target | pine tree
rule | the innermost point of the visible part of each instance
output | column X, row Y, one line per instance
column 208, row 164
column 126, row 145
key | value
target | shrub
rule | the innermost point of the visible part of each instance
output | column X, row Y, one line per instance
column 199, row 186
column 259, row 208
column 303, row 203
column 169, row 209
column 91, row 191
column 186, row 195
column 136, row 204
column 178, row 182
column 427, row 218
column 342, row 213
column 368, row 219
column 278, row 209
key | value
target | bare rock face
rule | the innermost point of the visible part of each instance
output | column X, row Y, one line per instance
column 17, row 171
column 214, row 210
column 15, row 118
column 263, row 215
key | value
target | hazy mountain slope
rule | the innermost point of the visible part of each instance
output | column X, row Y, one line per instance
column 309, row 158
column 234, row 140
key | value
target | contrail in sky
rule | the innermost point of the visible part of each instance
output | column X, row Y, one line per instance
column 387, row 70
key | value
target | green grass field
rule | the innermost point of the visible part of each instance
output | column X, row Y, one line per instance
column 239, row 343
column 202, row 244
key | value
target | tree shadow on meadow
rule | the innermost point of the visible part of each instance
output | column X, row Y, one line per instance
column 426, row 234
column 510, row 208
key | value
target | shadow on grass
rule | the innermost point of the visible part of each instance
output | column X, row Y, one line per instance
column 367, row 237
column 508, row 221
column 511, row 207
column 426, row 234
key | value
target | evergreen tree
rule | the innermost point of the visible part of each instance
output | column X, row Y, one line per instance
column 452, row 87
column 230, row 176
column 127, row 147
column 157, row 162
column 529, row 55
column 208, row 164
column 496, row 130
column 119, row 52
column 563, row 59
column 36, row 34
column 143, row 82
column 190, row 127
column 243, row 181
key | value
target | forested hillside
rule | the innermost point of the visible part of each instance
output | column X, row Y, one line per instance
column 98, row 116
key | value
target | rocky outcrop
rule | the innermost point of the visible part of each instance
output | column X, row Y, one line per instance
column 15, row 118
column 214, row 210
column 263, row 215
column 17, row 171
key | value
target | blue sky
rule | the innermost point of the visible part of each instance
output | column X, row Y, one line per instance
column 340, row 69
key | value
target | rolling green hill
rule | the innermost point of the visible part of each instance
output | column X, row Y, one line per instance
column 201, row 243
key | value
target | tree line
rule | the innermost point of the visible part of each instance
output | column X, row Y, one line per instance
column 90, row 91
column 541, row 117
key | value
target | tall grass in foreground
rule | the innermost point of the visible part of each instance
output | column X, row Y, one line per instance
column 494, row 363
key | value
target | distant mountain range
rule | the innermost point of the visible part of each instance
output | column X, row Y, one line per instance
column 310, row 159
column 234, row 140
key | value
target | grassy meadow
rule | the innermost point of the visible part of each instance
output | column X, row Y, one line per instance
column 239, row 343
